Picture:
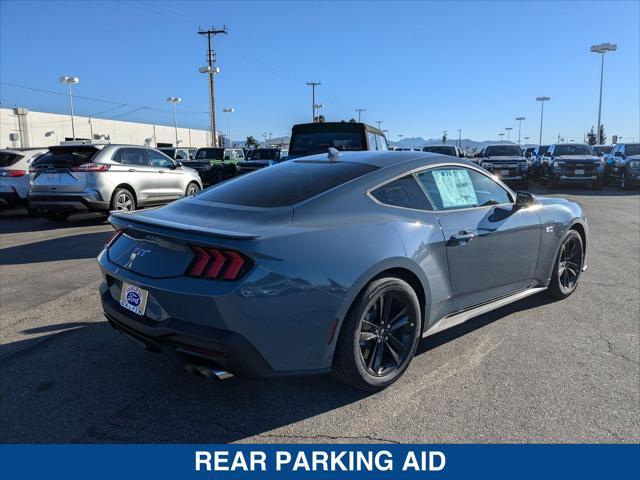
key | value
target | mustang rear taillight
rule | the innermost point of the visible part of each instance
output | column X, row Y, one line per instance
column 116, row 235
column 91, row 167
column 218, row 264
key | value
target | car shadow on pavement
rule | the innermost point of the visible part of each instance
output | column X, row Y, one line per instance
column 70, row 247
column 607, row 191
column 90, row 384
column 18, row 221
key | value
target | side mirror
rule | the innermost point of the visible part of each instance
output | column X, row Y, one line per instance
column 177, row 164
column 617, row 154
column 524, row 199
column 191, row 156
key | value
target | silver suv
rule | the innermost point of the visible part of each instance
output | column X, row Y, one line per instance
column 105, row 177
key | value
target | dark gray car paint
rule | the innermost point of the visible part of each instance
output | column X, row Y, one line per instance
column 313, row 259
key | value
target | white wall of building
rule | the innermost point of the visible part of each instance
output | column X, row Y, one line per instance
column 45, row 129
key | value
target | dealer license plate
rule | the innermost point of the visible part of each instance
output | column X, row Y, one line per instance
column 133, row 298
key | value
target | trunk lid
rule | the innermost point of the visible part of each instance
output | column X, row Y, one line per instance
column 53, row 171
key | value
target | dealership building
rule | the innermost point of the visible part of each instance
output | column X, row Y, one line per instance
column 22, row 128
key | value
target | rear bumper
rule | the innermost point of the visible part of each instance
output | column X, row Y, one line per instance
column 10, row 197
column 188, row 343
column 68, row 202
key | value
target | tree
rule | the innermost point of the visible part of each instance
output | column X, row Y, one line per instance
column 591, row 137
column 353, row 120
column 444, row 137
column 319, row 119
column 602, row 138
column 251, row 142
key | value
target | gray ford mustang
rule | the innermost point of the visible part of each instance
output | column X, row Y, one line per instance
column 337, row 262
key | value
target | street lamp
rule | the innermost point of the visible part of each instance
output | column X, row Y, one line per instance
column 519, row 120
column 501, row 136
column 70, row 80
column 360, row 110
column 210, row 70
column 313, row 84
column 229, row 111
column 526, row 140
column 541, row 100
column 602, row 49
column 174, row 101
column 508, row 129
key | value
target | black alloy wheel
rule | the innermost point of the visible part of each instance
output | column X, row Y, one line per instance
column 387, row 331
column 569, row 265
column 379, row 335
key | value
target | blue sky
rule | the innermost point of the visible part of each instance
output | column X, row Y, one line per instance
column 421, row 67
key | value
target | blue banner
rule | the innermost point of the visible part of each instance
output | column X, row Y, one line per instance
column 158, row 462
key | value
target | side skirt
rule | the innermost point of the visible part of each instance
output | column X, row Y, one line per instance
column 461, row 317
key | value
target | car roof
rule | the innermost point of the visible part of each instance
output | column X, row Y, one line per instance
column 382, row 159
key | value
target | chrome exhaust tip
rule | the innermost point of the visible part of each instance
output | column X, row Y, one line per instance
column 213, row 374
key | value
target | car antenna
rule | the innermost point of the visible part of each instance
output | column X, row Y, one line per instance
column 334, row 154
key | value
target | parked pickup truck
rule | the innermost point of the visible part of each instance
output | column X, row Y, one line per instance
column 507, row 163
column 574, row 163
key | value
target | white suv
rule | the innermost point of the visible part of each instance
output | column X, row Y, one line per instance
column 99, row 177
column 14, row 175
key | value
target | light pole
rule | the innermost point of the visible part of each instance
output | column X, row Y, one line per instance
column 526, row 140
column 541, row 100
column 519, row 120
column 313, row 84
column 211, row 71
column 229, row 111
column 360, row 110
column 70, row 80
column 174, row 101
column 602, row 49
column 501, row 136
column 460, row 138
column 508, row 129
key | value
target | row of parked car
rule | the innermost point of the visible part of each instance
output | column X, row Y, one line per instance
column 79, row 177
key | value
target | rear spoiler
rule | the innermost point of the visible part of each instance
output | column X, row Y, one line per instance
column 127, row 221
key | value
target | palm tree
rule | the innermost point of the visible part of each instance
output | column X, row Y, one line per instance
column 251, row 142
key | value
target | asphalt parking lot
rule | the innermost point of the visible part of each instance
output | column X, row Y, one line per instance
column 535, row 371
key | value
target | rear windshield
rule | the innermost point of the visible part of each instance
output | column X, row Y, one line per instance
column 66, row 156
column 168, row 151
column 266, row 154
column 210, row 154
column 441, row 150
column 285, row 184
column 573, row 150
column 503, row 151
column 312, row 143
column 9, row 158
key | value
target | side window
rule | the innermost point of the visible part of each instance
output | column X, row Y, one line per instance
column 454, row 188
column 382, row 143
column 159, row 160
column 404, row 192
column 181, row 155
column 132, row 156
column 371, row 140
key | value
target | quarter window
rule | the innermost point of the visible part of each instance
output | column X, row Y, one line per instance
column 454, row 188
column 403, row 192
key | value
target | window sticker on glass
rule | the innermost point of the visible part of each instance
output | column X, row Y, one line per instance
column 455, row 188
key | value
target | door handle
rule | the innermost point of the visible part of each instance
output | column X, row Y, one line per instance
column 461, row 238
column 160, row 171
column 132, row 169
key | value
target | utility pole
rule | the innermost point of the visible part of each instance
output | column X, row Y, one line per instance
column 460, row 138
column 379, row 122
column 360, row 110
column 313, row 85
column 211, row 59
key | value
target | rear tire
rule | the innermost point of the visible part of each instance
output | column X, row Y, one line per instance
column 192, row 189
column 379, row 336
column 56, row 216
column 123, row 200
column 568, row 266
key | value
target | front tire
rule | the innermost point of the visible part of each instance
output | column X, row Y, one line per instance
column 379, row 336
column 192, row 189
column 568, row 266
